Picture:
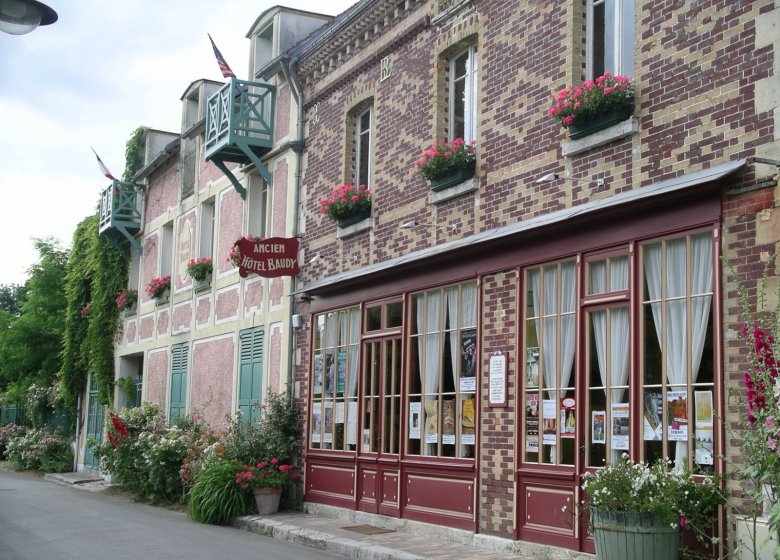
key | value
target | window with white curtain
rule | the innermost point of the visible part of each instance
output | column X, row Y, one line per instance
column 610, row 37
column 462, row 100
column 548, row 399
column 334, row 407
column 442, row 378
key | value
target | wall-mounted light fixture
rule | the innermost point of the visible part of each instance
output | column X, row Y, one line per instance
column 18, row 17
column 414, row 224
column 550, row 177
column 318, row 257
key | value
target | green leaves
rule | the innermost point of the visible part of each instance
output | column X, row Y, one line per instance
column 216, row 497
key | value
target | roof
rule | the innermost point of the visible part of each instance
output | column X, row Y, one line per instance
column 661, row 188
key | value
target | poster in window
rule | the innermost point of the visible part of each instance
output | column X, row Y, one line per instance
column 704, row 428
column 448, row 422
column 598, row 424
column 342, row 371
column 366, row 440
column 653, row 413
column 327, row 421
column 431, row 421
column 316, row 422
column 330, row 373
column 468, row 360
column 550, row 432
column 467, row 436
column 340, row 412
column 532, row 422
column 414, row 420
column 568, row 420
column 532, row 366
column 317, row 374
column 352, row 413
column 677, row 415
column 620, row 425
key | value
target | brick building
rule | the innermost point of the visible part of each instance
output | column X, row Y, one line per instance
column 585, row 273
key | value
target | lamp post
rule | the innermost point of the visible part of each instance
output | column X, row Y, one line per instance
column 18, row 17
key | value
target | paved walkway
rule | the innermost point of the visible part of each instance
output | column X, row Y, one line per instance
column 366, row 536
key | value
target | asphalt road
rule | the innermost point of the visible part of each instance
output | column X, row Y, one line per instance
column 43, row 520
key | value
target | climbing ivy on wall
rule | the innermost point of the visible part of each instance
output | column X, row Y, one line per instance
column 134, row 153
column 96, row 272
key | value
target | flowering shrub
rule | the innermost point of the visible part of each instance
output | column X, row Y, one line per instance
column 594, row 97
column 444, row 158
column 7, row 433
column 674, row 496
column 199, row 268
column 84, row 311
column 346, row 201
column 235, row 255
column 266, row 474
column 157, row 286
column 126, row 298
column 40, row 449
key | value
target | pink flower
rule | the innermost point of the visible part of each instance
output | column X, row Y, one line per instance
column 771, row 443
column 683, row 521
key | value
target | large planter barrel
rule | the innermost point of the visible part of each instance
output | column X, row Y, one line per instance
column 625, row 535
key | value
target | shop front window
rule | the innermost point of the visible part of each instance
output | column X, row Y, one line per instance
column 442, row 379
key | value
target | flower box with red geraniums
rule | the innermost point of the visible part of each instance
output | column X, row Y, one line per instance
column 594, row 105
column 200, row 268
column 157, row 288
column 347, row 203
column 266, row 474
column 448, row 162
column 126, row 299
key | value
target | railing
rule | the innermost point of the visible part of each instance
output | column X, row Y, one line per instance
column 118, row 205
column 240, row 112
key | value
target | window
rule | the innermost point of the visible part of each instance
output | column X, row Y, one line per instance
column 462, row 100
column 250, row 375
column 363, row 143
column 259, row 206
column 549, row 409
column 166, row 251
column 610, row 37
column 207, row 218
column 262, row 51
column 178, row 399
column 335, row 381
column 443, row 372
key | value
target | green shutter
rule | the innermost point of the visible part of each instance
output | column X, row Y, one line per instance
column 178, row 401
column 94, row 424
column 250, row 375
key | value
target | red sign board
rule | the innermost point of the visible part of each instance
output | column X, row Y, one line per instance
column 271, row 257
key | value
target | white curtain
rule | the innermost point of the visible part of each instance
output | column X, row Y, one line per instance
column 452, row 315
column 432, row 364
column 676, row 336
column 352, row 352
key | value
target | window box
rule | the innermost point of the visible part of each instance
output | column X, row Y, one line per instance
column 202, row 284
column 600, row 122
column 354, row 218
column 163, row 297
column 455, row 178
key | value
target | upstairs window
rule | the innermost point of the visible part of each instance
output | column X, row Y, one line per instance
column 610, row 37
column 259, row 207
column 363, row 142
column 207, row 218
column 462, row 86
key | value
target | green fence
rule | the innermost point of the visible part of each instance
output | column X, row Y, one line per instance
column 60, row 420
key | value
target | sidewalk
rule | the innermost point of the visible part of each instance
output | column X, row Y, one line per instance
column 367, row 536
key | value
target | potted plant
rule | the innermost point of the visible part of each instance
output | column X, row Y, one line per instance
column 448, row 163
column 641, row 508
column 200, row 271
column 127, row 300
column 159, row 288
column 594, row 105
column 266, row 481
column 347, row 204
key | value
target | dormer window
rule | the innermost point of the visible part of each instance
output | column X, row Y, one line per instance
column 262, row 50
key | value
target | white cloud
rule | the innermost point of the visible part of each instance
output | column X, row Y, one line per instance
column 90, row 79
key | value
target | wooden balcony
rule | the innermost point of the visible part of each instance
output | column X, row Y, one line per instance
column 240, row 126
column 120, row 216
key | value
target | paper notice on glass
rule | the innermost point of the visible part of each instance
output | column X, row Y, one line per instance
column 653, row 415
column 327, row 421
column 568, row 421
column 549, row 422
column 620, row 425
column 414, row 420
column 677, row 415
column 431, row 422
column 468, row 361
column 598, row 427
column 339, row 412
column 352, row 421
column 704, row 428
column 532, row 423
column 316, row 422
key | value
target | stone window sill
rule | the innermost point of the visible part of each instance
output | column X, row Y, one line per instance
column 349, row 231
column 620, row 130
column 467, row 186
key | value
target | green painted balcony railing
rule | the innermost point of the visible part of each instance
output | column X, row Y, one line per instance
column 120, row 216
column 239, row 121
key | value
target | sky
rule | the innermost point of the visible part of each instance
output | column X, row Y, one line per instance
column 88, row 81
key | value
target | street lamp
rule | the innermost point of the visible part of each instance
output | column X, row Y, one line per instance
column 18, row 17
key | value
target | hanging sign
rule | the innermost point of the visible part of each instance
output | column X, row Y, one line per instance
column 271, row 257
